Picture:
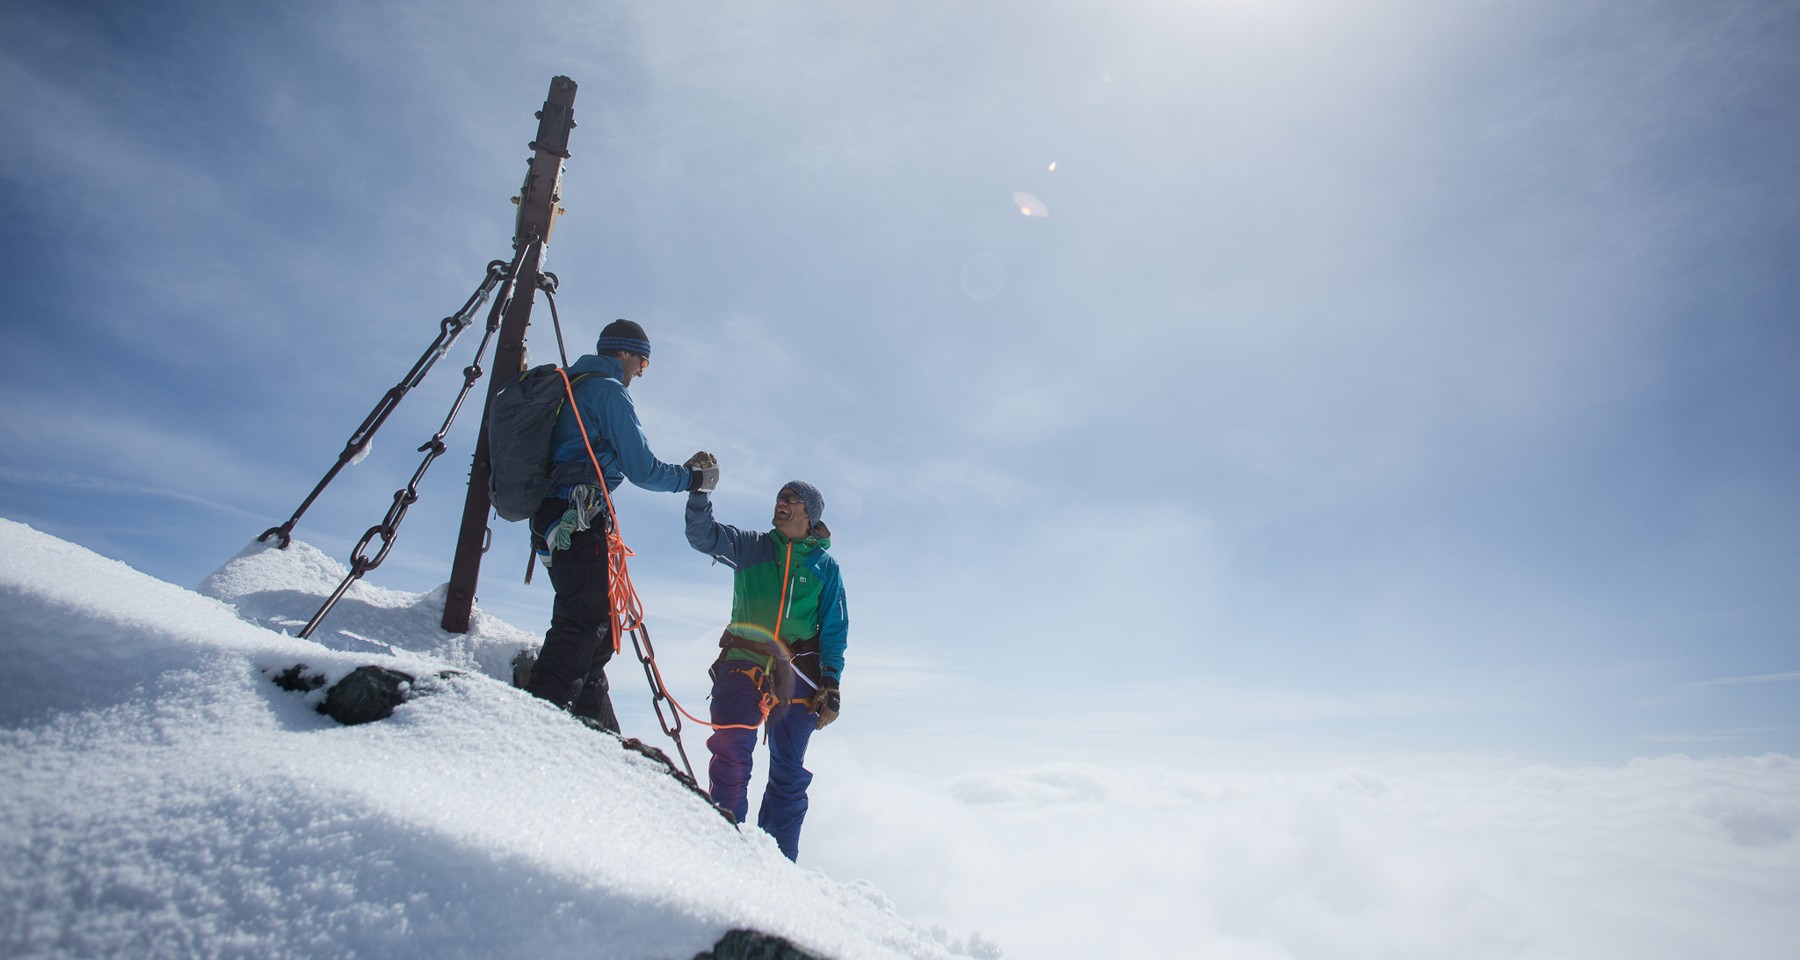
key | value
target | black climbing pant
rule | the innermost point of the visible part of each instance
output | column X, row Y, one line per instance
column 571, row 669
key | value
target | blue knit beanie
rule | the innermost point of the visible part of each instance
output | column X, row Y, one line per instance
column 623, row 335
column 810, row 496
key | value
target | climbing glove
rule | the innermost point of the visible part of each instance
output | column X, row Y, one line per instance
column 825, row 703
column 704, row 469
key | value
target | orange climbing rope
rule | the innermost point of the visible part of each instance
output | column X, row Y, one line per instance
column 628, row 611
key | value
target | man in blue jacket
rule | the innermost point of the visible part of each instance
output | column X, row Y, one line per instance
column 781, row 656
column 570, row 527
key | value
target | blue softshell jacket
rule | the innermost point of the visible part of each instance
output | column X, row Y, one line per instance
column 612, row 423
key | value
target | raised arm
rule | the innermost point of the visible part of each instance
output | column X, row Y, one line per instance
column 613, row 413
column 722, row 541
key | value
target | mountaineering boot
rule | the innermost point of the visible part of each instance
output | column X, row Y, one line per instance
column 593, row 705
column 522, row 662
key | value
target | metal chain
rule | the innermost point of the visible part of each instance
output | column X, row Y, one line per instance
column 449, row 329
column 389, row 527
column 640, row 641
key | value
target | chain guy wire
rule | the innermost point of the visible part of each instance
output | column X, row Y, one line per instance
column 361, row 561
column 449, row 329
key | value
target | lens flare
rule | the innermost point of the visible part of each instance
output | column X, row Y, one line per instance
column 1029, row 205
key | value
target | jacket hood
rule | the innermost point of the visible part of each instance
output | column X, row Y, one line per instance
column 818, row 539
column 609, row 367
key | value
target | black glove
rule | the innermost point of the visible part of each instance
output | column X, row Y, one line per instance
column 703, row 468
column 826, row 703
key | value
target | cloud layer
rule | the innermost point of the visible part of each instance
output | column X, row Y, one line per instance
column 1384, row 857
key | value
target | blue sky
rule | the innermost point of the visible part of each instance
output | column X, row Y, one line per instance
column 1384, row 377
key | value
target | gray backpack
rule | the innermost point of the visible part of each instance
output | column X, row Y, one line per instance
column 521, row 418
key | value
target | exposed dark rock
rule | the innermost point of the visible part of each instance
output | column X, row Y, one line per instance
column 368, row 694
column 295, row 679
column 751, row 945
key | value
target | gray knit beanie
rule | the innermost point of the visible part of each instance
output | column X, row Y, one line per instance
column 809, row 496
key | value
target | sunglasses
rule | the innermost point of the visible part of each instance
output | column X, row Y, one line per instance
column 790, row 500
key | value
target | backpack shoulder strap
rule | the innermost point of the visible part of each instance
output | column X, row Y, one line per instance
column 574, row 381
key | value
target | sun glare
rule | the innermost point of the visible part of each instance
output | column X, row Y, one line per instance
column 1029, row 205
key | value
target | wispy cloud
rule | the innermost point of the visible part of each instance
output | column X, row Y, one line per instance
column 89, row 483
column 1786, row 677
column 1715, row 736
column 141, row 448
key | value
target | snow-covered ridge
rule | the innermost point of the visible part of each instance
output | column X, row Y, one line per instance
column 164, row 798
column 281, row 590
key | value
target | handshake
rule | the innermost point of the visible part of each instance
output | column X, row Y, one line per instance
column 705, row 470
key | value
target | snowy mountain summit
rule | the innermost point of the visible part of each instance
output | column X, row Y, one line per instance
column 163, row 797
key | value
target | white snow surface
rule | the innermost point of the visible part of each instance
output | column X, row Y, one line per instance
column 160, row 796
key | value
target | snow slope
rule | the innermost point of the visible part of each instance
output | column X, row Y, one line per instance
column 161, row 797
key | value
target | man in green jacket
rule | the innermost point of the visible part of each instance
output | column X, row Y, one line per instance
column 781, row 656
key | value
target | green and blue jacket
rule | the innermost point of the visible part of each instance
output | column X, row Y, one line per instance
column 795, row 580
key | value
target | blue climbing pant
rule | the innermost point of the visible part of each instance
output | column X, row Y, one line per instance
column 738, row 689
